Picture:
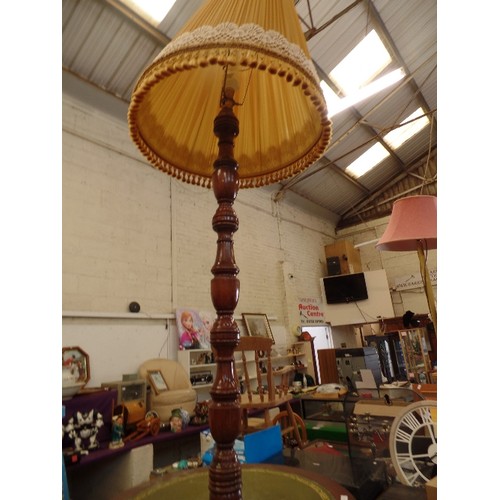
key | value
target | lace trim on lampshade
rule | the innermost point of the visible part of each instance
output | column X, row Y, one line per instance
column 256, row 48
column 244, row 36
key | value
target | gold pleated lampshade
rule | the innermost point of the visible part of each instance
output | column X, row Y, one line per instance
column 284, row 125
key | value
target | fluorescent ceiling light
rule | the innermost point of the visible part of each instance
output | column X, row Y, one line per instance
column 152, row 10
column 336, row 104
column 373, row 156
column 361, row 65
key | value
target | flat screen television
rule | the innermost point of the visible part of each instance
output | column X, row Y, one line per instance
column 345, row 288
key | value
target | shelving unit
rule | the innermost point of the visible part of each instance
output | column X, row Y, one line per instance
column 304, row 358
column 199, row 366
column 201, row 369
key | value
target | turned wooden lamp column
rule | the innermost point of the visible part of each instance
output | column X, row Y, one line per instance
column 285, row 128
column 224, row 410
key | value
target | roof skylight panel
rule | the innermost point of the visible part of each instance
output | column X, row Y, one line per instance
column 153, row 11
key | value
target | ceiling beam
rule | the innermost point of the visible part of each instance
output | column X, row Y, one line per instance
column 313, row 31
column 391, row 182
column 138, row 21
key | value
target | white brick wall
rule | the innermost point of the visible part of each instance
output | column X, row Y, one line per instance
column 115, row 236
column 131, row 232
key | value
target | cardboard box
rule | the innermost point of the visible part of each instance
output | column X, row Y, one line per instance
column 431, row 488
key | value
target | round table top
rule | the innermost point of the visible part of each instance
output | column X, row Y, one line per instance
column 260, row 482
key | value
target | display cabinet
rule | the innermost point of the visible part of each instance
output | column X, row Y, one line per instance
column 392, row 362
column 369, row 425
column 416, row 354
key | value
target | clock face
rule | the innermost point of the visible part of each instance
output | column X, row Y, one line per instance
column 413, row 443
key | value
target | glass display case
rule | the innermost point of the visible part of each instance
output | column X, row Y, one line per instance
column 328, row 408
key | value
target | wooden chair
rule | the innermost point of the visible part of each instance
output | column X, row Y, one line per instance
column 288, row 427
column 260, row 392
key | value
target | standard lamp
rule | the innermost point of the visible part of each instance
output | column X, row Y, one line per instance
column 413, row 226
column 246, row 65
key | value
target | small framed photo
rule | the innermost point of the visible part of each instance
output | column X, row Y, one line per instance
column 257, row 325
column 157, row 381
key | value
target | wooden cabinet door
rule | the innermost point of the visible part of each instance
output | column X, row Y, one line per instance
column 328, row 366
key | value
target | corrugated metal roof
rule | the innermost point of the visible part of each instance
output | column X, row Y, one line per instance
column 108, row 45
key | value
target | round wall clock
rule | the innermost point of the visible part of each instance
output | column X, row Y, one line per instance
column 413, row 443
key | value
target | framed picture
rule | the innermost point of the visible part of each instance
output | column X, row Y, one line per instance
column 157, row 381
column 257, row 325
column 75, row 361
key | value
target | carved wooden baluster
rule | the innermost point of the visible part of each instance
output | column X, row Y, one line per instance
column 224, row 409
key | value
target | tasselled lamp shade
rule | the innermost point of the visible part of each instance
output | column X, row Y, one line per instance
column 260, row 47
column 413, row 222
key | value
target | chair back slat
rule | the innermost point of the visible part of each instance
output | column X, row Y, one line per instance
column 260, row 392
column 245, row 374
column 264, row 390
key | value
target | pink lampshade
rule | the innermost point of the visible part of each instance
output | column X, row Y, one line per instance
column 413, row 218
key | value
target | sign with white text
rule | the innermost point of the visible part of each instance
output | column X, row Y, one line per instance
column 311, row 311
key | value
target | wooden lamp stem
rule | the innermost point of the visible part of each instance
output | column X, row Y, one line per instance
column 426, row 278
column 224, row 409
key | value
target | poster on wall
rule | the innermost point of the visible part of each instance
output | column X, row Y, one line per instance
column 207, row 318
column 311, row 311
column 194, row 328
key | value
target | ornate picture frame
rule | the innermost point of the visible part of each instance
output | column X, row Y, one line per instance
column 76, row 360
column 157, row 381
column 257, row 325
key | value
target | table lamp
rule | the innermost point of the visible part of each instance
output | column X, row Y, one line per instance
column 236, row 64
column 413, row 226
